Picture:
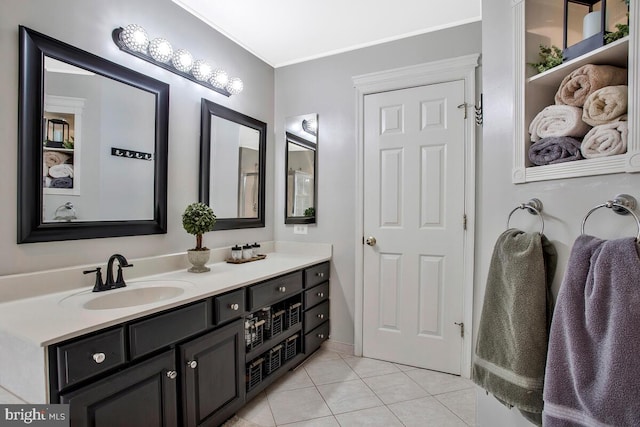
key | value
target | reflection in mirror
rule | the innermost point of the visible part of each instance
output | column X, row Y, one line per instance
column 300, row 164
column 92, row 145
column 232, row 166
column 77, row 101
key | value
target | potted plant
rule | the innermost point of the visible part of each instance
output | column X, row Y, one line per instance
column 197, row 219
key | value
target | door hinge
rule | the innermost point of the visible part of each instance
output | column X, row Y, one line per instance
column 461, row 324
column 464, row 221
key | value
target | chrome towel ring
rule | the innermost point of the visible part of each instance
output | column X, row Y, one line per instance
column 622, row 204
column 534, row 207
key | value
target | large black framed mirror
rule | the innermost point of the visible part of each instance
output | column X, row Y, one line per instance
column 232, row 166
column 92, row 145
column 300, row 166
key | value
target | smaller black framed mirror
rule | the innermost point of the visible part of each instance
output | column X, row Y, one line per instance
column 301, row 206
column 232, row 166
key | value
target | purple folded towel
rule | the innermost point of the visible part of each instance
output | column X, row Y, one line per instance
column 555, row 149
column 593, row 371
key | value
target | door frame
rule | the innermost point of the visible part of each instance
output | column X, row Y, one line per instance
column 459, row 68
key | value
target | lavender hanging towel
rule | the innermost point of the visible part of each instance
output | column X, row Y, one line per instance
column 593, row 366
column 555, row 149
column 512, row 338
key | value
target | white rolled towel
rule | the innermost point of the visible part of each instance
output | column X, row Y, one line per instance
column 558, row 120
column 605, row 140
column 61, row 171
column 605, row 105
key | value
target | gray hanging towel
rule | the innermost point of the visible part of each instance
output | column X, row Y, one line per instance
column 593, row 366
column 511, row 347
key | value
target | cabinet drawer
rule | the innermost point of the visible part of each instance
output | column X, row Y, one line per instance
column 316, row 274
column 316, row 315
column 87, row 357
column 313, row 339
column 274, row 290
column 228, row 306
column 316, row 295
column 166, row 329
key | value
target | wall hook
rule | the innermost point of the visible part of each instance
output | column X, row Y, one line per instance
column 479, row 113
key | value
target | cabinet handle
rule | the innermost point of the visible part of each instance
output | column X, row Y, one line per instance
column 321, row 316
column 321, row 336
column 320, row 274
column 99, row 357
column 320, row 294
column 234, row 307
column 172, row 375
column 192, row 364
column 282, row 289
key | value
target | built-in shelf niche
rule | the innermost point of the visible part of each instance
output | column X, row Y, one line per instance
column 534, row 91
column 69, row 109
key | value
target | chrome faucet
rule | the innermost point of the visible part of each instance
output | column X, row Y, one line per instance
column 110, row 283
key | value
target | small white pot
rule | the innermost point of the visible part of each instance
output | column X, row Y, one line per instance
column 198, row 259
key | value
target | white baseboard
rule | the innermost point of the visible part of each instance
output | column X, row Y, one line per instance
column 339, row 347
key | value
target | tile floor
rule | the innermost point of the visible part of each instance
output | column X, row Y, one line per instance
column 334, row 389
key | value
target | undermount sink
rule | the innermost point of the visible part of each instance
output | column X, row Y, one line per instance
column 134, row 294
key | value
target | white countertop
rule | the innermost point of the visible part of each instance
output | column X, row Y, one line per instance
column 32, row 317
column 42, row 320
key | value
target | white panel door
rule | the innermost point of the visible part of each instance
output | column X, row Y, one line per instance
column 414, row 208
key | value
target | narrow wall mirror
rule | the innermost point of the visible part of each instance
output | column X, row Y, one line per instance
column 300, row 166
column 232, row 166
column 92, row 145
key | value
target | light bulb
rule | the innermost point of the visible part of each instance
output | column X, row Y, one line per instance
column 160, row 49
column 235, row 86
column 135, row 38
column 219, row 78
column 182, row 60
column 201, row 70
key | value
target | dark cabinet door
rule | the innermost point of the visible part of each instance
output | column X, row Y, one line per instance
column 143, row 395
column 213, row 379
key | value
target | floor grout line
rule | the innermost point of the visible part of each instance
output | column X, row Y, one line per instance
column 363, row 379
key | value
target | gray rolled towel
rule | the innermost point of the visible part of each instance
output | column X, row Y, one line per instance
column 64, row 182
column 555, row 149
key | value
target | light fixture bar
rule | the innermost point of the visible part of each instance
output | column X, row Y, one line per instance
column 117, row 39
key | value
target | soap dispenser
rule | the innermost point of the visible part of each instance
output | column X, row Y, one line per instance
column 236, row 253
column 256, row 249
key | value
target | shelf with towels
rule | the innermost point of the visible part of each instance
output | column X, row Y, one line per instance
column 532, row 93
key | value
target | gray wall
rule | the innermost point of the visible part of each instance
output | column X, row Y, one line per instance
column 324, row 86
column 88, row 26
column 566, row 201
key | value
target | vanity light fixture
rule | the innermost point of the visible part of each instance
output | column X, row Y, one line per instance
column 310, row 127
column 134, row 40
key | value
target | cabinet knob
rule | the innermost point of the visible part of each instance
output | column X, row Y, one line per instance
column 99, row 357
column 192, row 364
column 321, row 336
column 234, row 307
column 321, row 316
column 282, row 289
column 320, row 294
column 172, row 375
column 320, row 274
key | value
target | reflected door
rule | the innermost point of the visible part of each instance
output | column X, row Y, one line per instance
column 414, row 207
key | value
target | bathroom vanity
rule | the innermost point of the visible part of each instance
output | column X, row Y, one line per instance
column 192, row 359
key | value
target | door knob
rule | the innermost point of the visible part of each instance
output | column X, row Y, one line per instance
column 371, row 241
